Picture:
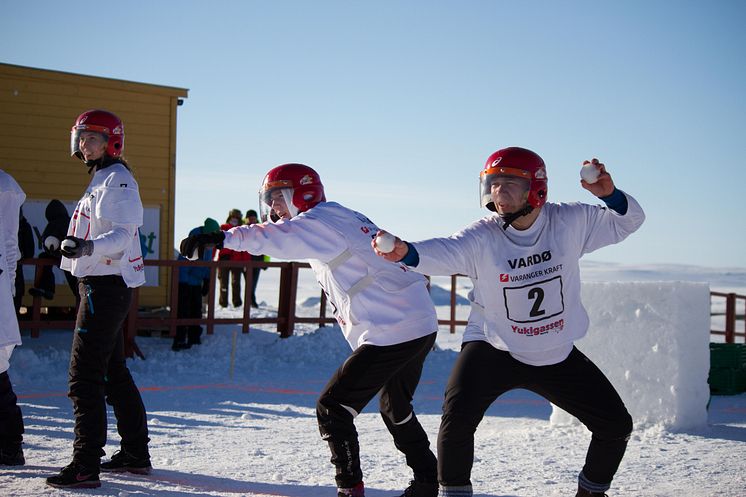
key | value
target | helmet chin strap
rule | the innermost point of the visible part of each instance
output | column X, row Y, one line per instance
column 92, row 164
column 509, row 218
column 101, row 163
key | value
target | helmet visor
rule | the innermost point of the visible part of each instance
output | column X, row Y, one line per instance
column 505, row 186
column 77, row 132
column 276, row 203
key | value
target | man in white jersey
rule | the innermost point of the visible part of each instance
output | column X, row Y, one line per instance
column 526, row 311
column 384, row 310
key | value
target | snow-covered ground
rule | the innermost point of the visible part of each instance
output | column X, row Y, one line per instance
column 248, row 427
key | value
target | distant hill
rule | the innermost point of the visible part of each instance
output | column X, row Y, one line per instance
column 719, row 279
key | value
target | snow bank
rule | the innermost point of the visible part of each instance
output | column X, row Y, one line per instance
column 652, row 342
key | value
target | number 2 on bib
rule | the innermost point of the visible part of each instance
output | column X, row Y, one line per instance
column 534, row 302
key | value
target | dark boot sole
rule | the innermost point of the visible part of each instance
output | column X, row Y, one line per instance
column 135, row 471
column 82, row 484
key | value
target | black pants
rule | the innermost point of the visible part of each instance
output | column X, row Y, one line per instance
column 482, row 373
column 395, row 371
column 234, row 274
column 99, row 374
column 254, row 279
column 20, row 286
column 190, row 306
column 11, row 420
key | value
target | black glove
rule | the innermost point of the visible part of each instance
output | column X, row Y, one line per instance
column 193, row 247
column 205, row 287
column 73, row 247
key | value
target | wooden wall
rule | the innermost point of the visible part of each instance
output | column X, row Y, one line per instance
column 37, row 109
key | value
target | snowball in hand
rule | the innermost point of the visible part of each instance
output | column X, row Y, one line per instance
column 589, row 173
column 385, row 242
column 51, row 243
column 69, row 245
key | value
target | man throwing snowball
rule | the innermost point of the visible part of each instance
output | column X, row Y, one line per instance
column 526, row 312
column 384, row 310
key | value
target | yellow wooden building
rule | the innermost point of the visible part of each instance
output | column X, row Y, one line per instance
column 37, row 109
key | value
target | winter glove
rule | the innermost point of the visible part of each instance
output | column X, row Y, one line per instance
column 205, row 287
column 193, row 247
column 73, row 247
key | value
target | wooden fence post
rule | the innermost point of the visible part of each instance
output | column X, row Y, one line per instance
column 288, row 291
column 453, row 304
column 248, row 271
column 730, row 318
column 130, row 328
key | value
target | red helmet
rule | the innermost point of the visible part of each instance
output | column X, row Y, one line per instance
column 300, row 184
column 515, row 161
column 102, row 122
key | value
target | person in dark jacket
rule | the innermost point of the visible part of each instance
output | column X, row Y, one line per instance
column 193, row 285
column 26, row 249
column 57, row 221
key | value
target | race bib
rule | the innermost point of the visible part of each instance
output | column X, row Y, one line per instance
column 534, row 302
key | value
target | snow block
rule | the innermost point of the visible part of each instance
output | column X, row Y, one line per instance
column 652, row 342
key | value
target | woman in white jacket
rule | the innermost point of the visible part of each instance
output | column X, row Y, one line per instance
column 102, row 250
column 526, row 311
column 11, row 420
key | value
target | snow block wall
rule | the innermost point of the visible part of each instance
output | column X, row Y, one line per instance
column 652, row 342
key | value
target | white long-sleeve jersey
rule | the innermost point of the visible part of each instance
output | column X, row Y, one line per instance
column 375, row 301
column 11, row 199
column 526, row 294
column 109, row 214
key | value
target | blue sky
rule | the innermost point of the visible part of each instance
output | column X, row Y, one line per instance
column 397, row 104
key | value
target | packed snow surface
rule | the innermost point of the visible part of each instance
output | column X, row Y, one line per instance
column 248, row 427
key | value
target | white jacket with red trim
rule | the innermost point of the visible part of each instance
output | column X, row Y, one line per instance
column 375, row 301
column 109, row 214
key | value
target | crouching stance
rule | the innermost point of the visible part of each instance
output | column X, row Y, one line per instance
column 384, row 310
column 526, row 311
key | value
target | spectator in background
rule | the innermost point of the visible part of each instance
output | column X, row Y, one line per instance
column 57, row 221
column 26, row 249
column 194, row 283
column 11, row 419
column 235, row 218
column 252, row 218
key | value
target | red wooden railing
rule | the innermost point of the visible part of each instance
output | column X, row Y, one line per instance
column 286, row 306
column 731, row 316
column 284, row 321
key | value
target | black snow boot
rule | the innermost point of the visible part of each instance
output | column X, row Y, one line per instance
column 587, row 493
column 12, row 456
column 75, row 475
column 356, row 491
column 418, row 488
column 122, row 461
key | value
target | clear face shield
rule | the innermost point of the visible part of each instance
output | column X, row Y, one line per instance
column 276, row 202
column 78, row 132
column 508, row 193
column 506, row 187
